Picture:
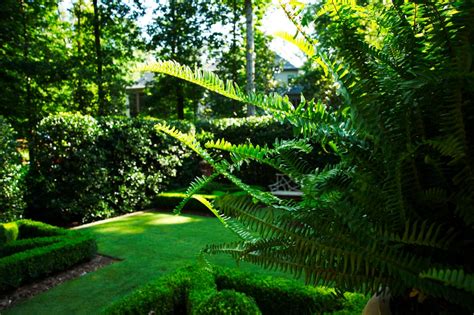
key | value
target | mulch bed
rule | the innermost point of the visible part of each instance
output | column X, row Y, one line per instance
column 27, row 291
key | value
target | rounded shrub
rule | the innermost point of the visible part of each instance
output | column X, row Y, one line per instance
column 8, row 232
column 67, row 180
column 228, row 302
column 87, row 169
column 11, row 175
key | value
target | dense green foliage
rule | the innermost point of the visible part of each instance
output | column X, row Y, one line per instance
column 397, row 210
column 68, row 66
column 40, row 250
column 277, row 296
column 228, row 302
column 11, row 175
column 221, row 291
column 86, row 169
column 260, row 130
column 8, row 233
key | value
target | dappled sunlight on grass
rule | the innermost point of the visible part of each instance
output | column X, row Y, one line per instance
column 123, row 229
column 149, row 245
column 170, row 220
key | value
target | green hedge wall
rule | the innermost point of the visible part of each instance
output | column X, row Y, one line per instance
column 11, row 175
column 194, row 290
column 278, row 296
column 261, row 130
column 87, row 169
column 40, row 250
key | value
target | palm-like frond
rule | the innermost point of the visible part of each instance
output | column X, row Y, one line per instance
column 396, row 208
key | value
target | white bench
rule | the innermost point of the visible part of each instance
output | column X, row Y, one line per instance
column 284, row 187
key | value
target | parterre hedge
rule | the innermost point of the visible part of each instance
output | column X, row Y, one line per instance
column 196, row 290
column 12, row 203
column 39, row 250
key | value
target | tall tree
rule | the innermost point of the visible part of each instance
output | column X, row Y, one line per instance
column 105, row 36
column 250, row 53
column 33, row 56
column 180, row 32
column 231, row 57
column 98, row 57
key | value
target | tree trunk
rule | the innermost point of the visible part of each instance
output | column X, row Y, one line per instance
column 30, row 106
column 99, row 61
column 233, row 46
column 250, row 55
column 179, row 100
column 79, row 92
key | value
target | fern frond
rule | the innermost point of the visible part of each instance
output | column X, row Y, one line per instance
column 301, row 43
column 452, row 277
column 193, row 189
column 204, row 78
column 423, row 234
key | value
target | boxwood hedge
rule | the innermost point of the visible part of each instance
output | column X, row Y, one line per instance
column 40, row 250
column 195, row 290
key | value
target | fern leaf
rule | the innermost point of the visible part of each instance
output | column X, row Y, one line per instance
column 452, row 277
column 193, row 189
column 301, row 43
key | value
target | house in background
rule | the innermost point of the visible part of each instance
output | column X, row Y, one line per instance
column 283, row 75
column 136, row 93
column 284, row 71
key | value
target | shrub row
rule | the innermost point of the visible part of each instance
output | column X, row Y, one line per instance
column 277, row 296
column 40, row 250
column 11, row 175
column 261, row 130
column 226, row 291
column 86, row 169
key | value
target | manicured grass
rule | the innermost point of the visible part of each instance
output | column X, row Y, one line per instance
column 150, row 245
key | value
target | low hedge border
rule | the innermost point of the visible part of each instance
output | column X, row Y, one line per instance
column 278, row 296
column 42, row 249
column 190, row 290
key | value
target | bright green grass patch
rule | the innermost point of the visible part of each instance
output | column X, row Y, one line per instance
column 150, row 245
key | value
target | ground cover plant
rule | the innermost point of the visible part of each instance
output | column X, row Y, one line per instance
column 31, row 250
column 395, row 210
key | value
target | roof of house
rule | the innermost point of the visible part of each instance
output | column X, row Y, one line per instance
column 148, row 77
column 287, row 66
column 141, row 83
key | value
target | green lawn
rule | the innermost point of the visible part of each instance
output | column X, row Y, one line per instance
column 149, row 244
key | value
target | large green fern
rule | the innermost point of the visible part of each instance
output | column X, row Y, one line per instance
column 397, row 209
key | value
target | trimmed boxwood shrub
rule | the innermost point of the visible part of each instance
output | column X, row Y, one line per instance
column 278, row 296
column 176, row 293
column 87, row 169
column 8, row 232
column 40, row 250
column 228, row 302
column 11, row 175
column 194, row 290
